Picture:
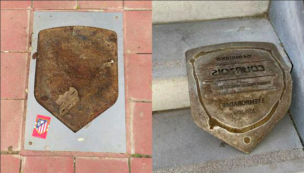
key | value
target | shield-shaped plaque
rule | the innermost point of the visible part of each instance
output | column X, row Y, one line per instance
column 238, row 91
column 76, row 73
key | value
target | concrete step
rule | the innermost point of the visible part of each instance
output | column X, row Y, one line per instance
column 180, row 145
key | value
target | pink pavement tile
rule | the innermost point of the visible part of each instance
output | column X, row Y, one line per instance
column 11, row 124
column 100, row 4
column 47, row 164
column 101, row 165
column 138, row 31
column 13, row 75
column 15, row 4
column 70, row 4
column 141, row 165
column 137, row 4
column 10, row 163
column 141, row 128
column 14, row 30
column 138, row 74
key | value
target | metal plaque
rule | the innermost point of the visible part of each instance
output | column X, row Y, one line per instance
column 238, row 91
column 76, row 73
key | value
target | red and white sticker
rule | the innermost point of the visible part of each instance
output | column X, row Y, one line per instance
column 41, row 126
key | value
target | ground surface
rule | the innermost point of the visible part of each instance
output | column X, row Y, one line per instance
column 178, row 144
column 16, row 30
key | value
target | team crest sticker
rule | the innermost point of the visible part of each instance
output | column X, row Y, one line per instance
column 41, row 126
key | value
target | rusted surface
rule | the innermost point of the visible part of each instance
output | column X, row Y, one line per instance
column 238, row 91
column 76, row 73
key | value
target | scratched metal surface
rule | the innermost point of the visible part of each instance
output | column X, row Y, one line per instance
column 76, row 73
column 106, row 133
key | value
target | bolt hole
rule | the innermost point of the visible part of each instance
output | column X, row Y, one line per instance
column 116, row 17
column 246, row 140
column 30, row 143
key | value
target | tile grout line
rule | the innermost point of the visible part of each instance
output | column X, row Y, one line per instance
column 74, row 164
column 129, row 164
column 139, row 101
column 11, row 99
column 10, row 153
column 29, row 13
column 20, row 168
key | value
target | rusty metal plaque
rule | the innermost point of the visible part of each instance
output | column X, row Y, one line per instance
column 76, row 73
column 238, row 91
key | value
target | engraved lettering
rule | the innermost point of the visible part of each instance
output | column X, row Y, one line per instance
column 243, row 102
column 233, row 57
column 237, row 70
column 247, row 111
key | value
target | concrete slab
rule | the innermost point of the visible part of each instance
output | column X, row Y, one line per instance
column 177, row 11
column 178, row 141
column 294, row 166
column 287, row 18
column 171, row 41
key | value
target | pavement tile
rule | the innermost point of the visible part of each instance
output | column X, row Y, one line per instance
column 13, row 75
column 138, row 74
column 141, row 165
column 10, row 163
column 70, row 4
column 138, row 4
column 11, row 124
column 100, row 4
column 141, row 128
column 15, row 4
column 101, row 165
column 14, row 30
column 47, row 164
column 138, row 31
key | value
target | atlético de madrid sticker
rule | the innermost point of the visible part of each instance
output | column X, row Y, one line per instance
column 41, row 126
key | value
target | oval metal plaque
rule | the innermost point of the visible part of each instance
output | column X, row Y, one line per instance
column 238, row 91
column 76, row 73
